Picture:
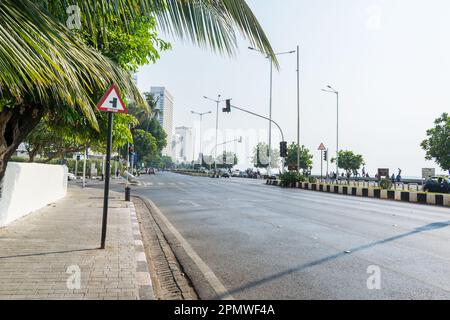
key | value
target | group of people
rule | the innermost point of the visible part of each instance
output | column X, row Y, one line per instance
column 333, row 175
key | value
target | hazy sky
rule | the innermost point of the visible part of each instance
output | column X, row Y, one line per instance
column 389, row 59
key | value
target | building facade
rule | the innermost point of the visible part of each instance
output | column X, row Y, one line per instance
column 164, row 108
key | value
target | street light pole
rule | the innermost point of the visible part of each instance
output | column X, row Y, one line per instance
column 298, row 108
column 218, row 101
column 331, row 90
column 201, row 114
column 271, row 100
column 270, row 116
column 337, row 133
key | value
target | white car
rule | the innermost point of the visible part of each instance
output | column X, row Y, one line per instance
column 71, row 176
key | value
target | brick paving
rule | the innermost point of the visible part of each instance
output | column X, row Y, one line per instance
column 42, row 253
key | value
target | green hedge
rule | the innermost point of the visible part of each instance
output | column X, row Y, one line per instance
column 290, row 177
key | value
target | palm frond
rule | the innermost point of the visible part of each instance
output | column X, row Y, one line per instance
column 41, row 60
column 207, row 23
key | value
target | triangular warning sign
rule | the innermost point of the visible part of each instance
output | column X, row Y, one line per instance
column 112, row 101
column 322, row 147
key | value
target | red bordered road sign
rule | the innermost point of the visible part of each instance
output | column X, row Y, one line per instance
column 322, row 147
column 112, row 101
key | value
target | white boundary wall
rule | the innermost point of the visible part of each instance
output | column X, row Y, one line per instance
column 28, row 187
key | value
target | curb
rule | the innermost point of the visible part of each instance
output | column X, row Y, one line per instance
column 203, row 279
column 143, row 277
column 442, row 200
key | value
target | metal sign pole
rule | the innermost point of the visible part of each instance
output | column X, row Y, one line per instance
column 84, row 167
column 328, row 169
column 107, row 176
column 321, row 164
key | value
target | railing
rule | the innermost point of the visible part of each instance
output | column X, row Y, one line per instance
column 406, row 185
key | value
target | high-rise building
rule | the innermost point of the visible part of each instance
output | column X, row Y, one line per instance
column 164, row 107
column 182, row 144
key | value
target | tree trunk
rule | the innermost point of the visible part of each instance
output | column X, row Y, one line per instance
column 15, row 124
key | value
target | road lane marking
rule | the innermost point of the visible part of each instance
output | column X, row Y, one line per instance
column 209, row 275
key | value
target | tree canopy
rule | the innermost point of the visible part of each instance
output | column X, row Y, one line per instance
column 306, row 157
column 437, row 144
column 260, row 156
column 46, row 67
column 349, row 161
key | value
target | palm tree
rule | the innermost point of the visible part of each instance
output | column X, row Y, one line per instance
column 46, row 67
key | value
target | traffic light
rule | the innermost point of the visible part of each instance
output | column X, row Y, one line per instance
column 325, row 155
column 283, row 149
column 227, row 108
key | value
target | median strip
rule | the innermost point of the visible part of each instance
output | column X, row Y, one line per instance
column 442, row 200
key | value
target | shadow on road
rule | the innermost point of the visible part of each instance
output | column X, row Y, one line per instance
column 426, row 228
column 48, row 253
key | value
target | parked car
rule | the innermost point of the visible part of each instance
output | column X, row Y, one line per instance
column 71, row 176
column 437, row 184
column 225, row 175
column 243, row 174
column 236, row 174
column 151, row 171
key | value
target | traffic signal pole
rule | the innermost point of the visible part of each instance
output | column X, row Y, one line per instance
column 228, row 109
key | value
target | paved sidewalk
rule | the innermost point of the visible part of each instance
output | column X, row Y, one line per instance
column 42, row 254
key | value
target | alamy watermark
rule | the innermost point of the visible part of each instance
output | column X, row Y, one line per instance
column 374, row 19
column 374, row 280
column 74, row 19
column 74, row 280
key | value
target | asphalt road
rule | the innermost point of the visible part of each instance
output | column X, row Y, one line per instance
column 265, row 242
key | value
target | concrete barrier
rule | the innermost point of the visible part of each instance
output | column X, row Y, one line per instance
column 447, row 200
column 28, row 187
column 359, row 192
column 397, row 195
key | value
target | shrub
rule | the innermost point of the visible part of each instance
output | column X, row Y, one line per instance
column 386, row 184
column 312, row 180
column 289, row 177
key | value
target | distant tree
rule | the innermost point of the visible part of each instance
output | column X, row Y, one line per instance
column 306, row 157
column 350, row 162
column 144, row 146
column 260, row 156
column 227, row 160
column 437, row 145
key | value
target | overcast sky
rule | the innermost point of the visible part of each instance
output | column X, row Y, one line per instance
column 389, row 59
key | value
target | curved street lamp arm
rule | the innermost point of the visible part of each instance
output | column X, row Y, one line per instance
column 263, row 117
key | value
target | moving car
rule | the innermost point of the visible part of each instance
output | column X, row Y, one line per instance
column 437, row 185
